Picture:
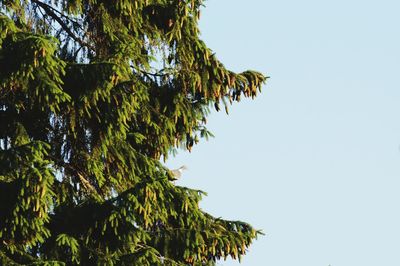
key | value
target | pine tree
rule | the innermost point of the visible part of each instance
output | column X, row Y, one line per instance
column 94, row 97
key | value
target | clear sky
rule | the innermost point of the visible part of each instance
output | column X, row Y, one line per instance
column 314, row 161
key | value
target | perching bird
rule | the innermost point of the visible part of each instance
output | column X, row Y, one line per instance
column 176, row 173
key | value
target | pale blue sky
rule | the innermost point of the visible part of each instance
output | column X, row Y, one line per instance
column 314, row 161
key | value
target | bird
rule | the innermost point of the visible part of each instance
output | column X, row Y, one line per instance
column 177, row 173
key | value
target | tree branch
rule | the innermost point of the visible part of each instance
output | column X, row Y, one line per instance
column 51, row 12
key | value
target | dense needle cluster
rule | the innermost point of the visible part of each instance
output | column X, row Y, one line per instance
column 94, row 94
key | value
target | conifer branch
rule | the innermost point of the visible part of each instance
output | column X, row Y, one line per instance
column 51, row 12
column 83, row 180
column 87, row 184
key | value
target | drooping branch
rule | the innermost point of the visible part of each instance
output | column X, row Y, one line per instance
column 51, row 12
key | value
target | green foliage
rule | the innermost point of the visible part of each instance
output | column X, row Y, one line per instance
column 93, row 94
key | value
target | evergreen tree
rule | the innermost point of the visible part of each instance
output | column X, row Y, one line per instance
column 94, row 95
